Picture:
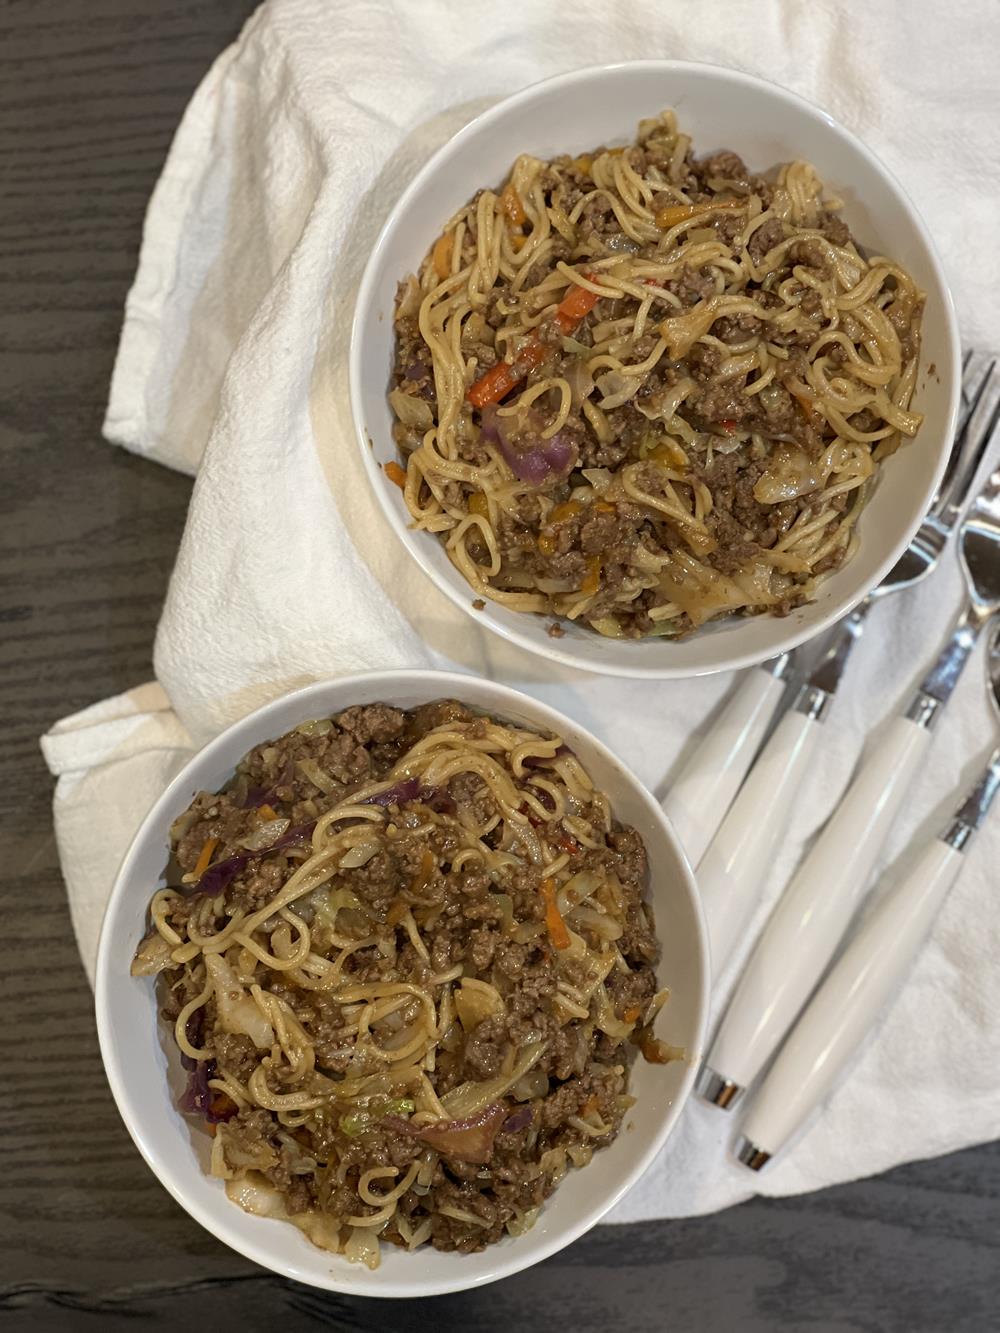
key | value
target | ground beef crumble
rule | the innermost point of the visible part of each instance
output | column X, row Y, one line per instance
column 560, row 557
column 467, row 917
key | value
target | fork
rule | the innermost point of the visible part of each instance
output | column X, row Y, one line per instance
column 807, row 925
column 734, row 867
column 705, row 787
column 867, row 974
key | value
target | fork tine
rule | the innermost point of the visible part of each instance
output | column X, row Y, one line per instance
column 967, row 450
column 973, row 388
column 984, row 437
column 989, row 430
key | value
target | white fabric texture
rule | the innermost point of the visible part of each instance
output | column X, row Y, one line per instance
column 233, row 365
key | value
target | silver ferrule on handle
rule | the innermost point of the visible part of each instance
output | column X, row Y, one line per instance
column 968, row 818
column 962, row 466
column 814, row 697
column 938, row 685
column 923, row 709
column 812, row 702
column 778, row 667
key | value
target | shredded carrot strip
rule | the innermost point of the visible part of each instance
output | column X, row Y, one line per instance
column 574, row 305
column 441, row 254
column 504, row 376
column 501, row 378
column 603, row 507
column 395, row 473
column 204, row 856
column 568, row 509
column 422, row 876
column 547, row 541
column 592, row 582
column 267, row 812
column 510, row 202
column 674, row 213
column 554, row 922
column 631, row 1013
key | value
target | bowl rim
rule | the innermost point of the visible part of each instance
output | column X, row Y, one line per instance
column 443, row 683
column 419, row 551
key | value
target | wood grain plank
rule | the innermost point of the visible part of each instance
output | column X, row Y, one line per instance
column 89, row 98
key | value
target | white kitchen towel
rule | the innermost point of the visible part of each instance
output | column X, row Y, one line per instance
column 233, row 365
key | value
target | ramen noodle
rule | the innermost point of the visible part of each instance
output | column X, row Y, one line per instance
column 640, row 390
column 406, row 958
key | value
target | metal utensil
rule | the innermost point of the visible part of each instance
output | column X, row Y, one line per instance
column 809, row 921
column 867, row 974
column 707, row 783
column 733, row 869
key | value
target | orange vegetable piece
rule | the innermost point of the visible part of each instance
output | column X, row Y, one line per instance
column 670, row 216
column 568, row 509
column 205, row 856
column 577, row 302
column 554, row 922
column 421, row 878
column 267, row 812
column 220, row 1104
column 592, row 582
column 559, row 514
column 655, row 1051
column 395, row 474
column 441, row 255
column 504, row 376
column 510, row 202
column 478, row 504
column 631, row 1013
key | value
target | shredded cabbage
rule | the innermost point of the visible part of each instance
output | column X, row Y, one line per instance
column 238, row 1011
column 415, row 412
column 468, row 1098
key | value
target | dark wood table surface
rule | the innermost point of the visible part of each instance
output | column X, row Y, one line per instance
column 89, row 95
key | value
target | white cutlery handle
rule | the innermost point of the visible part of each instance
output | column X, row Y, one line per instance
column 733, row 869
column 706, row 785
column 846, row 1005
column 809, row 922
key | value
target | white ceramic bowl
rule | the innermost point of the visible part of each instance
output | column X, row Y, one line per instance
column 145, row 1073
column 765, row 125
